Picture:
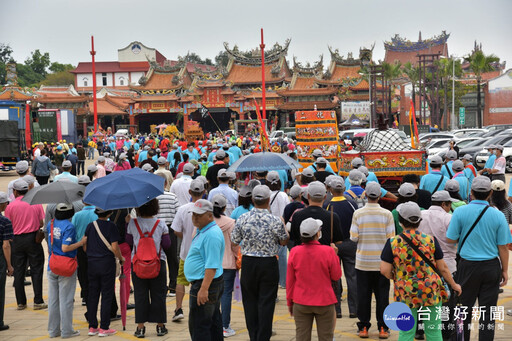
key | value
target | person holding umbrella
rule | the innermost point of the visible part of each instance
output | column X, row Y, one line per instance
column 149, row 293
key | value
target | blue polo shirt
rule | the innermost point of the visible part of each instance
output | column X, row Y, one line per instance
column 464, row 185
column 429, row 181
column 327, row 169
column 371, row 177
column 510, row 189
column 143, row 155
column 82, row 219
column 445, row 168
column 469, row 174
column 206, row 252
column 492, row 230
column 63, row 234
column 490, row 161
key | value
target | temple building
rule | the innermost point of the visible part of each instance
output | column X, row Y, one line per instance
column 403, row 51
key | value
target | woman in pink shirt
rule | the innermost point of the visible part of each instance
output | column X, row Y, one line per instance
column 311, row 269
column 122, row 164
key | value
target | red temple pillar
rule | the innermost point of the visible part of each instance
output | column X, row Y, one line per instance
column 28, row 121
column 185, row 123
column 84, row 123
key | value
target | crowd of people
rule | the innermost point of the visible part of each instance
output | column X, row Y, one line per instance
column 446, row 241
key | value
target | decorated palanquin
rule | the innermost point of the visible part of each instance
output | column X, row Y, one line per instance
column 386, row 154
column 193, row 131
column 316, row 130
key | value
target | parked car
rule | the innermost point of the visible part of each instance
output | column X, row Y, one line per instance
column 444, row 135
column 482, row 155
column 347, row 135
column 467, row 131
column 436, row 145
column 498, row 127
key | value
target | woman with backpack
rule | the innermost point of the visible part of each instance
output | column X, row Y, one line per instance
column 148, row 236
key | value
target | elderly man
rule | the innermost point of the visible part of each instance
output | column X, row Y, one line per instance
column 435, row 180
column 259, row 233
column 482, row 235
column 181, row 186
column 26, row 221
column 371, row 227
column 203, row 269
column 66, row 173
column 230, row 194
column 447, row 171
column 500, row 164
column 317, row 153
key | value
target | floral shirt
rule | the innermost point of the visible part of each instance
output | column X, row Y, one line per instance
column 416, row 283
column 258, row 232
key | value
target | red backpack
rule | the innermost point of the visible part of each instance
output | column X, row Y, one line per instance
column 146, row 262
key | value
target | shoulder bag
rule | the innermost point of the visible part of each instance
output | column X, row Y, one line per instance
column 109, row 246
column 457, row 256
column 60, row 265
column 439, row 183
column 444, row 293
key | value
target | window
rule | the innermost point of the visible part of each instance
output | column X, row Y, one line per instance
column 104, row 78
column 85, row 80
column 121, row 80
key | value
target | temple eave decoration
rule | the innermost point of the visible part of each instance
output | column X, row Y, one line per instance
column 277, row 53
column 400, row 44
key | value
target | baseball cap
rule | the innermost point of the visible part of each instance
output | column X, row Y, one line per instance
column 106, row 154
column 451, row 155
column 356, row 162
column 364, row 170
column 453, row 185
column 328, row 180
column 407, row 190
column 253, row 183
column 225, row 146
column 457, row 165
column 317, row 190
column 295, row 191
column 322, row 160
column 147, row 167
column 467, row 157
column 83, row 180
column 309, row 227
column 122, row 156
column 373, row 190
column 338, row 183
column 491, row 146
column 147, row 148
column 317, row 153
column 497, row 185
column 436, row 160
column 20, row 185
column 220, row 155
column 231, row 175
column 410, row 211
column 204, row 156
column 197, row 186
column 261, row 192
column 246, row 192
column 481, row 184
column 101, row 159
column 222, row 173
column 194, row 162
column 3, row 197
column 66, row 164
column 355, row 175
column 273, row 177
column 188, row 168
column 161, row 160
column 59, row 148
column 29, row 179
column 203, row 179
column 92, row 168
column 219, row 201
column 500, row 147
column 21, row 166
column 308, row 172
column 62, row 207
column 443, row 195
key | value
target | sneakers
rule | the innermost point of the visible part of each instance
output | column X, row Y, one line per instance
column 178, row 315
column 40, row 306
column 383, row 334
column 363, row 333
column 93, row 331
column 140, row 333
column 73, row 334
column 171, row 293
column 161, row 331
column 352, row 315
column 228, row 332
column 21, row 307
column 106, row 332
column 83, row 302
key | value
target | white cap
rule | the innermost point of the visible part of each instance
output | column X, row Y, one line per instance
column 309, row 227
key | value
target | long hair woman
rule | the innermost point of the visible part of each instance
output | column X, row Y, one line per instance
column 122, row 164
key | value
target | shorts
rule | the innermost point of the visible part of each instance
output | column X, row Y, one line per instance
column 181, row 279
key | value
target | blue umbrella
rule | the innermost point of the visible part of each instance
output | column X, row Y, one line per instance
column 264, row 161
column 122, row 189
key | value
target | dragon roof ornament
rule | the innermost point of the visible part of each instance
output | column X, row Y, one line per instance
column 308, row 70
column 338, row 59
column 278, row 51
column 400, row 44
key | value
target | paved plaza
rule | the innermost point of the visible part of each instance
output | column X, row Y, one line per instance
column 32, row 325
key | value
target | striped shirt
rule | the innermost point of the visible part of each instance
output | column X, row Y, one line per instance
column 168, row 203
column 371, row 227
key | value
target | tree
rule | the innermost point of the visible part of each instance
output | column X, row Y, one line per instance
column 222, row 59
column 391, row 72
column 5, row 58
column 413, row 73
column 39, row 62
column 193, row 57
column 58, row 67
column 59, row 78
column 480, row 63
column 447, row 68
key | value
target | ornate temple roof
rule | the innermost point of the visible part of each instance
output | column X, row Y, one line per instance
column 400, row 44
column 15, row 93
column 278, row 52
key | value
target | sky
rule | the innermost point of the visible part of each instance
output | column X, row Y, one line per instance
column 64, row 28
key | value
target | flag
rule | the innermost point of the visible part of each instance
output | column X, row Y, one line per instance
column 204, row 111
column 413, row 125
column 265, row 143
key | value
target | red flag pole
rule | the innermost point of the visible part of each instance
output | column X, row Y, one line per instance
column 263, row 99
column 95, row 102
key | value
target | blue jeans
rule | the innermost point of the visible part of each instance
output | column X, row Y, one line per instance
column 205, row 321
column 283, row 263
column 61, row 291
column 90, row 154
column 227, row 295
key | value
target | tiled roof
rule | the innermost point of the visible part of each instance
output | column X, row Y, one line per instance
column 259, row 94
column 148, row 98
column 160, row 81
column 105, row 108
column 243, row 74
column 304, row 83
column 14, row 94
column 363, row 85
column 412, row 56
column 61, row 99
column 307, row 92
column 342, row 72
column 86, row 67
column 321, row 105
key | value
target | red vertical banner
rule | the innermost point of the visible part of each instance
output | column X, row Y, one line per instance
column 263, row 99
column 28, row 126
column 59, row 125
column 265, row 142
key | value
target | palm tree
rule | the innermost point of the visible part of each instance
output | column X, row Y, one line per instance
column 480, row 63
column 391, row 72
column 446, row 72
column 413, row 73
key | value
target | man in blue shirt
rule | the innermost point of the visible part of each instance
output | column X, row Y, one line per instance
column 435, row 180
column 203, row 269
column 235, row 151
column 316, row 154
column 490, row 161
column 460, row 177
column 483, row 264
column 447, row 171
column 143, row 155
column 66, row 168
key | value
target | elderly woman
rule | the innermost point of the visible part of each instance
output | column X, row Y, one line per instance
column 417, row 283
column 311, row 269
column 499, row 199
column 122, row 164
column 61, row 289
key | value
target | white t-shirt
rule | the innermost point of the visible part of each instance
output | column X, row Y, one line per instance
column 146, row 225
column 183, row 223
column 500, row 164
column 180, row 187
column 278, row 203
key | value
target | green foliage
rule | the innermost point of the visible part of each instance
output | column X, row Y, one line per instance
column 222, row 59
column 58, row 67
column 59, row 78
column 39, row 62
column 480, row 63
column 392, row 71
column 193, row 57
column 5, row 58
